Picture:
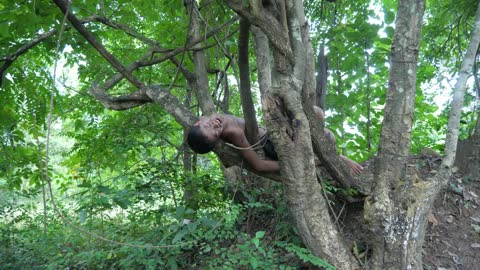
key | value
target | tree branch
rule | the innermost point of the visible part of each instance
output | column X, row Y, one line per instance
column 321, row 91
column 459, row 92
column 137, row 99
column 268, row 23
column 251, row 125
column 169, row 54
column 129, row 31
column 326, row 152
column 171, row 104
column 200, row 84
column 77, row 24
column 9, row 59
column 119, row 103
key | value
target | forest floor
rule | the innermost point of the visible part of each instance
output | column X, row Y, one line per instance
column 452, row 238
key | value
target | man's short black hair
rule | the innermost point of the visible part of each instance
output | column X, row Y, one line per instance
column 198, row 142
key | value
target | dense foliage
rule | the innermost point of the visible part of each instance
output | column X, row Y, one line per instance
column 120, row 175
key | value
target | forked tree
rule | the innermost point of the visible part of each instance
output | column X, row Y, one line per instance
column 397, row 201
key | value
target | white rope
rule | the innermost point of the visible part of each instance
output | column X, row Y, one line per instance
column 259, row 144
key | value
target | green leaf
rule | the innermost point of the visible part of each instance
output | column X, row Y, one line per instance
column 179, row 235
column 180, row 212
column 259, row 234
column 104, row 189
column 85, row 185
column 172, row 262
column 253, row 262
column 4, row 29
column 390, row 31
column 192, row 226
column 209, row 222
column 386, row 41
column 256, row 242
column 389, row 16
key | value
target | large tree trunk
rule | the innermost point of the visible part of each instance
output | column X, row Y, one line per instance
column 394, row 211
column 288, row 88
column 400, row 202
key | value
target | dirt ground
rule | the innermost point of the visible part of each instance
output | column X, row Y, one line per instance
column 452, row 240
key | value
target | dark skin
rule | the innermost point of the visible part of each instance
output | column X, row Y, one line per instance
column 231, row 129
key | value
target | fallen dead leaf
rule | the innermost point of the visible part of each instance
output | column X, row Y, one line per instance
column 476, row 219
column 476, row 228
column 432, row 219
column 475, row 245
column 450, row 219
column 469, row 196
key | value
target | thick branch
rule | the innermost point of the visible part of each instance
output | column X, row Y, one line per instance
column 119, row 103
column 251, row 125
column 321, row 91
column 171, row 104
column 395, row 136
column 269, row 25
column 326, row 152
column 200, row 84
column 300, row 51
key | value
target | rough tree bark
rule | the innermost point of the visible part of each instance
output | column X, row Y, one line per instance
column 468, row 158
column 459, row 92
column 200, row 83
column 393, row 215
column 321, row 88
column 288, row 91
column 396, row 212
column 251, row 126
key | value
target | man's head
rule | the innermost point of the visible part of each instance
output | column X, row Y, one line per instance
column 204, row 134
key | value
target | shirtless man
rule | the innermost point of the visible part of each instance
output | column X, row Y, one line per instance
column 205, row 133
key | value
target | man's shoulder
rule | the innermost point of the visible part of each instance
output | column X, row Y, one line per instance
column 233, row 134
column 234, row 118
column 234, row 130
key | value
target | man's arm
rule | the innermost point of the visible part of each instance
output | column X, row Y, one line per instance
column 261, row 165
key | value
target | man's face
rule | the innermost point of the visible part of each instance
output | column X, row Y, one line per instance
column 210, row 126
